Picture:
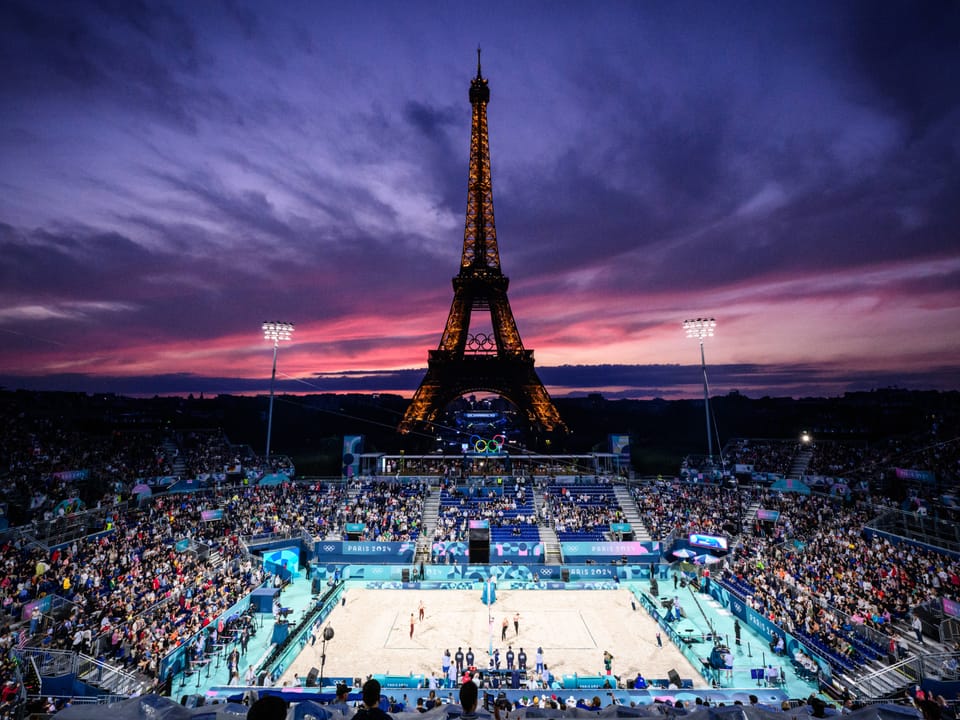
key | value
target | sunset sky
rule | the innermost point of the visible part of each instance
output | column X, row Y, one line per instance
column 173, row 174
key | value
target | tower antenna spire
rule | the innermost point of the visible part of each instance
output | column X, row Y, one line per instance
column 478, row 61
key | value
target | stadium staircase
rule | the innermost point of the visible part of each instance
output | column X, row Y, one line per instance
column 110, row 678
column 877, row 678
column 177, row 464
column 548, row 536
column 877, row 683
column 801, row 461
column 750, row 514
column 551, row 545
column 631, row 514
column 428, row 525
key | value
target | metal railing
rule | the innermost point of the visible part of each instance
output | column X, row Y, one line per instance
column 52, row 663
column 58, row 602
column 75, row 526
column 921, row 528
column 950, row 631
column 254, row 540
column 103, row 674
column 905, row 672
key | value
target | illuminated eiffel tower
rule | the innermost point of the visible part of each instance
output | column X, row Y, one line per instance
column 494, row 362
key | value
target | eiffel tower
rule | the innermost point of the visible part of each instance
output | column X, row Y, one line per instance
column 493, row 362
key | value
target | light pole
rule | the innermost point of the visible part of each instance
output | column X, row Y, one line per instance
column 275, row 331
column 327, row 636
column 700, row 328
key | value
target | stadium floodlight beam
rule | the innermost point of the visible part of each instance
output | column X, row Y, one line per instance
column 700, row 329
column 275, row 331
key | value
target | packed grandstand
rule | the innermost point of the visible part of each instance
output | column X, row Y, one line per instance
column 124, row 549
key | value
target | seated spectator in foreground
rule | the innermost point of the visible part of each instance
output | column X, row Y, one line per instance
column 469, row 693
column 370, row 710
column 270, row 707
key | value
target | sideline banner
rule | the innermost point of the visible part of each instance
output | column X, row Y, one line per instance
column 72, row 475
column 361, row 551
column 951, row 608
column 646, row 552
column 924, row 476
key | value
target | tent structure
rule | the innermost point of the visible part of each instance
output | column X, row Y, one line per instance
column 791, row 485
column 70, row 505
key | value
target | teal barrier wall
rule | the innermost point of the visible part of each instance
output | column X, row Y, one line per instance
column 766, row 628
column 430, row 575
column 175, row 661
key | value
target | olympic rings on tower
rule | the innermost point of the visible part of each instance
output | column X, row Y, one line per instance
column 491, row 446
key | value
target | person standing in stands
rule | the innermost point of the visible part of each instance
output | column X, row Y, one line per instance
column 445, row 663
column 521, row 660
column 607, row 661
column 539, row 661
column 458, row 659
column 917, row 626
column 470, row 657
column 233, row 663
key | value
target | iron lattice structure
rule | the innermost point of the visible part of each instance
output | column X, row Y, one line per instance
column 493, row 362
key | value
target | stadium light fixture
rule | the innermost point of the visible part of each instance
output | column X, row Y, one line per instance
column 699, row 329
column 275, row 332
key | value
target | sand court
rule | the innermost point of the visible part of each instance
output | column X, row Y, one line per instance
column 574, row 627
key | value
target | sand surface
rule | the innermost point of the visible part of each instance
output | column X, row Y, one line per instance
column 574, row 627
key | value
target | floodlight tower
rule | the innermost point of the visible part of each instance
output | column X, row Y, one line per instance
column 275, row 331
column 701, row 328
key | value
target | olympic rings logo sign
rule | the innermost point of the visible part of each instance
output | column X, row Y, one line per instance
column 488, row 447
